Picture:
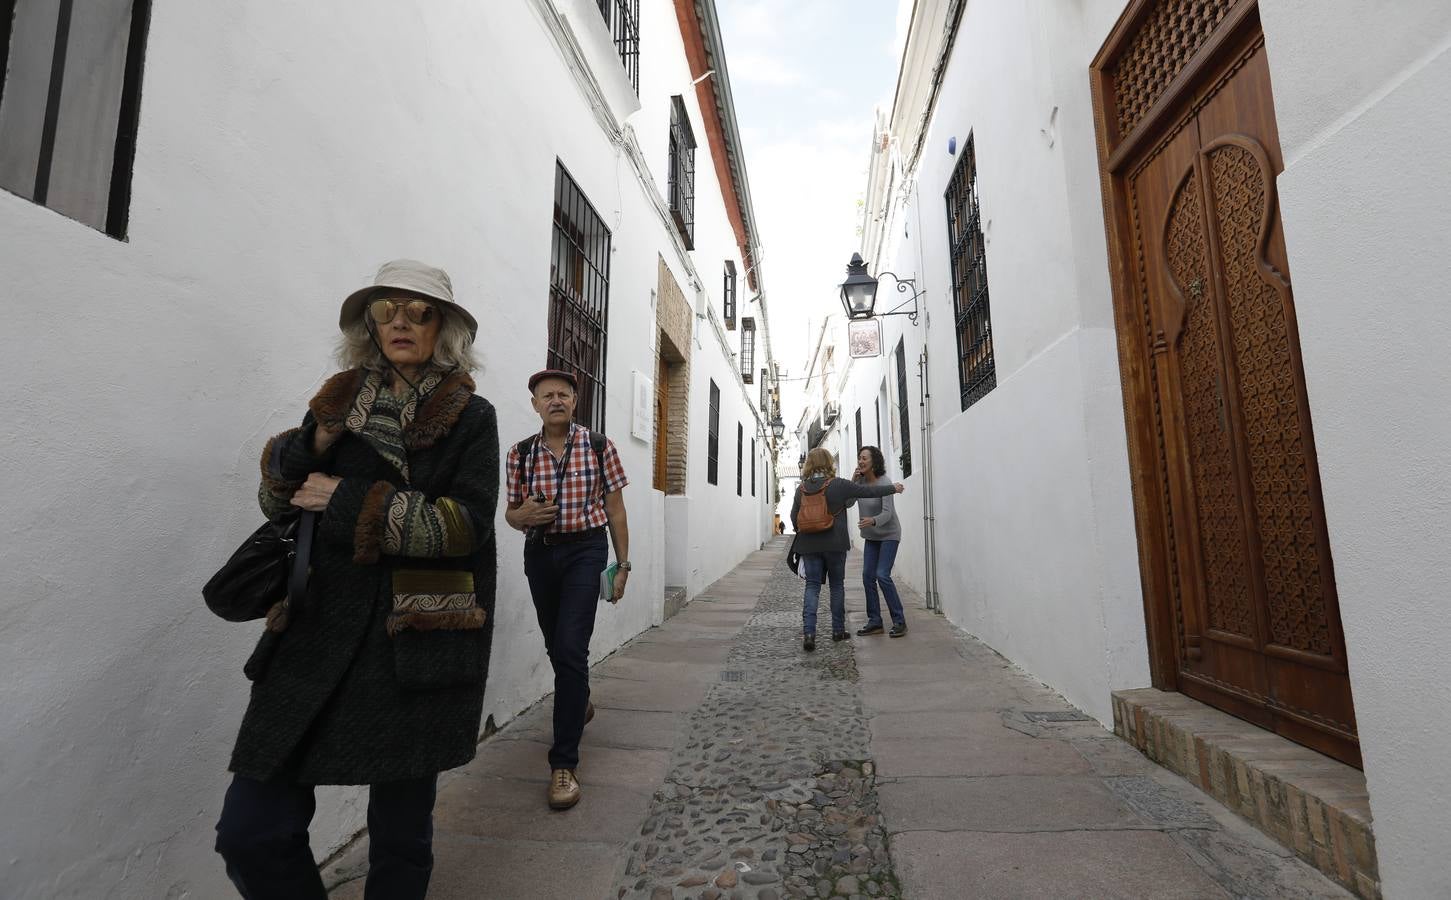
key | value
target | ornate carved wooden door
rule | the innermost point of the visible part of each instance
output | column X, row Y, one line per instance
column 1252, row 612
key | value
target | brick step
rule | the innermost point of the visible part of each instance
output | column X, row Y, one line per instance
column 1315, row 806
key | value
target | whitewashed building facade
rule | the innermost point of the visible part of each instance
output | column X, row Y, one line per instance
column 182, row 219
column 1105, row 205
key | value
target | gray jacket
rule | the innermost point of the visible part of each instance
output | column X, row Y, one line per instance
column 840, row 495
column 886, row 527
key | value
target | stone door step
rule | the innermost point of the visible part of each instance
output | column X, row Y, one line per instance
column 674, row 600
column 1315, row 806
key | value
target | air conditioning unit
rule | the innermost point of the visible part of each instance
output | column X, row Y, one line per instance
column 830, row 413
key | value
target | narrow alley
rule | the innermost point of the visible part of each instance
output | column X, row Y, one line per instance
column 724, row 762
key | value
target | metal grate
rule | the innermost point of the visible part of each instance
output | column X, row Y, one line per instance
column 748, row 349
column 732, row 675
column 729, row 292
column 977, row 373
column 740, row 457
column 682, row 171
column 902, row 410
column 623, row 19
column 712, row 448
column 579, row 296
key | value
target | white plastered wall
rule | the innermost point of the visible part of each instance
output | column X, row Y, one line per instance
column 284, row 151
column 1035, row 537
column 1361, row 93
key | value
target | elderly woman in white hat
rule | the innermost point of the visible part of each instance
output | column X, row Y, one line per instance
column 378, row 678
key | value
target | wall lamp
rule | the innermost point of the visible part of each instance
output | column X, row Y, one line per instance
column 859, row 293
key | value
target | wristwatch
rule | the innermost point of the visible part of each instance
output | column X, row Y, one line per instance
column 623, row 566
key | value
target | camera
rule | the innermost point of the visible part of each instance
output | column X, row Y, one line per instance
column 535, row 533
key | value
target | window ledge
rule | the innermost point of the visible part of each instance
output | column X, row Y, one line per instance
column 592, row 34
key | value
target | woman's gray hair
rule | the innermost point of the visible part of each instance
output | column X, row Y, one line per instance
column 453, row 350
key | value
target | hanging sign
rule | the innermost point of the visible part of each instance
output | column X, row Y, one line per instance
column 864, row 338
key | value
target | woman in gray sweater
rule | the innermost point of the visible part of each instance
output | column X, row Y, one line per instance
column 882, row 533
column 823, row 553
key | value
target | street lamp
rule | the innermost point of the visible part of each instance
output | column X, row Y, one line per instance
column 778, row 427
column 859, row 293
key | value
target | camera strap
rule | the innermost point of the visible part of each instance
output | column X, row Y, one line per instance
column 560, row 467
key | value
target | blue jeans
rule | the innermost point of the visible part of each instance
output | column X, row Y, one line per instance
column 821, row 567
column 262, row 837
column 564, row 580
column 877, row 561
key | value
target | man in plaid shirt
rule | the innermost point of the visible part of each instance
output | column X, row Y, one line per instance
column 564, row 487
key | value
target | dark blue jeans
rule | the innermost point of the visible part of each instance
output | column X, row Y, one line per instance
column 877, row 561
column 564, row 580
column 819, row 567
column 262, row 837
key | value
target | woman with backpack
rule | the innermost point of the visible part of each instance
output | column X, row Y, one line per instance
column 882, row 534
column 822, row 538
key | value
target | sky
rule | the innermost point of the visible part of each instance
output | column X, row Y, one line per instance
column 806, row 76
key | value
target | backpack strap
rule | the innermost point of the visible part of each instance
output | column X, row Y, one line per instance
column 526, row 459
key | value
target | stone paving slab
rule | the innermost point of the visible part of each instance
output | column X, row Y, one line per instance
column 726, row 764
column 1132, row 864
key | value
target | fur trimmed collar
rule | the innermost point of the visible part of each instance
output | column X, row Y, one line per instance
column 343, row 402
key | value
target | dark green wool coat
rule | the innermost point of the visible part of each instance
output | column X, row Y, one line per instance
column 336, row 698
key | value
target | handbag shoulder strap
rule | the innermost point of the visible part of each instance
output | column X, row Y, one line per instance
column 301, row 561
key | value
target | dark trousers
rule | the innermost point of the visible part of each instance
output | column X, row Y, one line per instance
column 564, row 580
column 262, row 837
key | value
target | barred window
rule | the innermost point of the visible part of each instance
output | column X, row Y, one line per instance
column 748, row 349
column 729, row 293
column 70, row 97
column 975, row 369
column 712, row 446
column 579, row 296
column 623, row 19
column 765, row 396
column 682, row 171
column 906, row 444
column 740, row 454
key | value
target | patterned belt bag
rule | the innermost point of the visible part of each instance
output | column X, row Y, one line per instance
column 432, row 600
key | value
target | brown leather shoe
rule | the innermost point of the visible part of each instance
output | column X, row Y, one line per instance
column 563, row 789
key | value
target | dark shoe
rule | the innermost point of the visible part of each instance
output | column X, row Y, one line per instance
column 589, row 712
column 808, row 642
column 898, row 629
column 841, row 636
column 563, row 789
column 869, row 628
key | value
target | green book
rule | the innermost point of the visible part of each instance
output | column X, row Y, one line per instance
column 607, row 582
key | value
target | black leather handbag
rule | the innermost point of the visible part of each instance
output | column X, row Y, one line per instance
column 270, row 565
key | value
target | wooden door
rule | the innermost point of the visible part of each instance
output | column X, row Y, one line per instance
column 662, row 422
column 1253, row 624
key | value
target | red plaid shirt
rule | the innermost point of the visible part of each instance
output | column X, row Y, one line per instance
column 581, row 497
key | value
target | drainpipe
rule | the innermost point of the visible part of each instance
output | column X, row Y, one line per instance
column 929, row 506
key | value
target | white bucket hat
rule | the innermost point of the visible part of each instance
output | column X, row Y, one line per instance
column 408, row 275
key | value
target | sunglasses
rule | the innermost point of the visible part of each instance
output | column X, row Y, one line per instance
column 419, row 312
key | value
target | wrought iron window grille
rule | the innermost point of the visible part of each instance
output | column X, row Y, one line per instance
column 740, row 455
column 903, row 410
column 682, row 171
column 623, row 19
column 976, row 370
column 73, row 100
column 712, row 448
column 728, row 291
column 748, row 350
column 579, row 296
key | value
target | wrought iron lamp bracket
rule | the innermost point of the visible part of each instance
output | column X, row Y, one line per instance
column 903, row 285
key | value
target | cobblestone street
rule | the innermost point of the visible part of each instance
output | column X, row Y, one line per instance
column 724, row 762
